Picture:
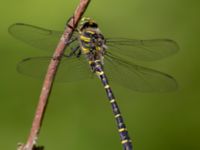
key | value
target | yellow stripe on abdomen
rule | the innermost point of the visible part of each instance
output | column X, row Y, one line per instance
column 124, row 141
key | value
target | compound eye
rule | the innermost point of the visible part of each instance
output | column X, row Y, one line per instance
column 94, row 25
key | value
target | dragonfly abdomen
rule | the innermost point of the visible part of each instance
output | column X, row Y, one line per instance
column 125, row 139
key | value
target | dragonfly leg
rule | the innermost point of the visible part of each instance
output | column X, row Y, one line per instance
column 67, row 23
column 79, row 53
column 71, row 41
column 73, row 51
column 56, row 58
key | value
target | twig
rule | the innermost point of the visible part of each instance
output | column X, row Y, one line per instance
column 49, row 78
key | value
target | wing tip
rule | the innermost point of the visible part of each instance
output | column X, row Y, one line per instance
column 12, row 26
column 18, row 68
column 175, row 44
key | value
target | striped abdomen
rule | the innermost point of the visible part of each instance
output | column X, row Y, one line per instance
column 125, row 139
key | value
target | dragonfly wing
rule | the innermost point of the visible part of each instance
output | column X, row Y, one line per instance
column 70, row 69
column 35, row 36
column 145, row 50
column 137, row 77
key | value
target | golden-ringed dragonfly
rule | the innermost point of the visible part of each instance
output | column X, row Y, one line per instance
column 91, row 53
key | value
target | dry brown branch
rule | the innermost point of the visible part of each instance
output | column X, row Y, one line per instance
column 49, row 78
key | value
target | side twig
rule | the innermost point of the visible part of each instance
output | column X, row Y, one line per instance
column 49, row 78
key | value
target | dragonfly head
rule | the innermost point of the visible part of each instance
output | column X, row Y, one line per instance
column 87, row 22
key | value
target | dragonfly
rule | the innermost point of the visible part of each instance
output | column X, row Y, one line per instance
column 91, row 53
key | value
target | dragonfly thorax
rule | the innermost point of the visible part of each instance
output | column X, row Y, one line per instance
column 92, row 43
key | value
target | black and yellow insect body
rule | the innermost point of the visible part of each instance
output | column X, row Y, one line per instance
column 92, row 44
column 88, row 46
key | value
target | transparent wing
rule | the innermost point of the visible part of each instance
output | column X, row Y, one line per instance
column 70, row 69
column 37, row 37
column 136, row 77
column 145, row 50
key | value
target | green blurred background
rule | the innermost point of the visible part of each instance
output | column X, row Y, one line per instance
column 78, row 115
